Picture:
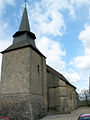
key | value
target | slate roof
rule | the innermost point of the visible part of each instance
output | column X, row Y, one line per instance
column 57, row 74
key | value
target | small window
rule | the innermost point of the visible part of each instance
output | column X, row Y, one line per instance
column 38, row 68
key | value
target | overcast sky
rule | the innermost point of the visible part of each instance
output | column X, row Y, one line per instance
column 62, row 28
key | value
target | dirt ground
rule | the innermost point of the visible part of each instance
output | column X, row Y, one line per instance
column 72, row 116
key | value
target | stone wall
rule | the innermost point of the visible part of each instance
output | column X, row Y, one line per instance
column 61, row 94
column 71, row 97
column 15, row 75
column 16, row 107
column 22, row 107
column 35, row 73
column 38, row 75
column 56, row 94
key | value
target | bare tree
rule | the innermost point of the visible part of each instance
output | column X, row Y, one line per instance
column 84, row 96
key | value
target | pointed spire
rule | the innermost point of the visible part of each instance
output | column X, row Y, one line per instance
column 24, row 26
column 24, row 37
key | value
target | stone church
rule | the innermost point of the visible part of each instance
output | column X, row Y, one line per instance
column 30, row 89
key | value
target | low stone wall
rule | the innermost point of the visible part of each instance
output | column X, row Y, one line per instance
column 22, row 107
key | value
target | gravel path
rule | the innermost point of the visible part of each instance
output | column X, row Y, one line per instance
column 73, row 116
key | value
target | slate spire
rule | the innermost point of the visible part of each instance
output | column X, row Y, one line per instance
column 24, row 26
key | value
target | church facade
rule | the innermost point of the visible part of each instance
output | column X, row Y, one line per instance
column 30, row 89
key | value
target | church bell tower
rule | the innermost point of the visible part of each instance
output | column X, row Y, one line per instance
column 23, row 76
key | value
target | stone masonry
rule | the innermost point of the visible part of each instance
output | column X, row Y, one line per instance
column 62, row 96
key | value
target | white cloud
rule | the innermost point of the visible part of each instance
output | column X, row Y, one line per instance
column 80, row 2
column 83, row 62
column 58, row 5
column 3, row 26
column 85, row 37
column 53, row 27
column 52, row 50
column 3, row 3
column 8, row 2
column 46, row 16
column 73, row 77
